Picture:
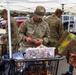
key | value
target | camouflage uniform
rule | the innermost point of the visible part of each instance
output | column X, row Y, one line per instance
column 14, row 34
column 34, row 30
column 56, row 28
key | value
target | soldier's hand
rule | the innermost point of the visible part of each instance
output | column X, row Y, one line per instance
column 28, row 39
column 39, row 41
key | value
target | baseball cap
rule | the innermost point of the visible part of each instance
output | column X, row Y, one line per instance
column 40, row 11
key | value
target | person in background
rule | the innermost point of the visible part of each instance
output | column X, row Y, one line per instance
column 70, row 72
column 14, row 31
column 56, row 27
column 71, row 68
column 34, row 31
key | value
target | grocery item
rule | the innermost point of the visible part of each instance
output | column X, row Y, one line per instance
column 72, row 59
column 40, row 52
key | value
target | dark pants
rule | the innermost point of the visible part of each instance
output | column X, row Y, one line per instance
column 71, row 68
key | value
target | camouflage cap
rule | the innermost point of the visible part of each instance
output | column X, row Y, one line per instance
column 40, row 11
column 58, row 11
column 3, row 11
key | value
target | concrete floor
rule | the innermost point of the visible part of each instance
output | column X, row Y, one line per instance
column 63, row 67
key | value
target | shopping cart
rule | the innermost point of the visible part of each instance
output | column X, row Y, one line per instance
column 40, row 67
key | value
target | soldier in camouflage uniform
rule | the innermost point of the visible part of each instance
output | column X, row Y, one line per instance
column 14, row 31
column 35, row 30
column 56, row 27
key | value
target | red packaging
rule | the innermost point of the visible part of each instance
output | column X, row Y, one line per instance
column 72, row 59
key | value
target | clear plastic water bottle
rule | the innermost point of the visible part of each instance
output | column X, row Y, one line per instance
column 47, row 65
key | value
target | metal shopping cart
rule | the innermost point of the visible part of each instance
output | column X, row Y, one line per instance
column 40, row 67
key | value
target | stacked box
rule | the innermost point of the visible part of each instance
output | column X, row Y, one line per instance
column 63, row 43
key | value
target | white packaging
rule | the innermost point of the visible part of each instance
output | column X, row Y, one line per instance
column 46, row 52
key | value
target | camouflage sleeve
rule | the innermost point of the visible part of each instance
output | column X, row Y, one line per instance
column 47, row 20
column 60, row 28
column 22, row 31
column 46, row 38
column 14, row 26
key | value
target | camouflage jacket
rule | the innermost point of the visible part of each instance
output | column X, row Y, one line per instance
column 56, row 28
column 14, row 31
column 34, row 30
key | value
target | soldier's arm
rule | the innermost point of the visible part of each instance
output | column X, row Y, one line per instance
column 46, row 38
column 22, row 31
column 48, row 20
column 14, row 27
column 60, row 29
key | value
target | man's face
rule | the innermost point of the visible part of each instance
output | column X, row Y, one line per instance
column 4, row 16
column 37, row 19
column 59, row 15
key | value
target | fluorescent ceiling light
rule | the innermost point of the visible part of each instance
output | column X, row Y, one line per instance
column 39, row 0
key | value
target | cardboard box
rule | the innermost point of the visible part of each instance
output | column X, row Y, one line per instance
column 64, row 41
column 71, row 47
column 61, row 39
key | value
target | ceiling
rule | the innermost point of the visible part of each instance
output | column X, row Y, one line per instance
column 30, row 5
